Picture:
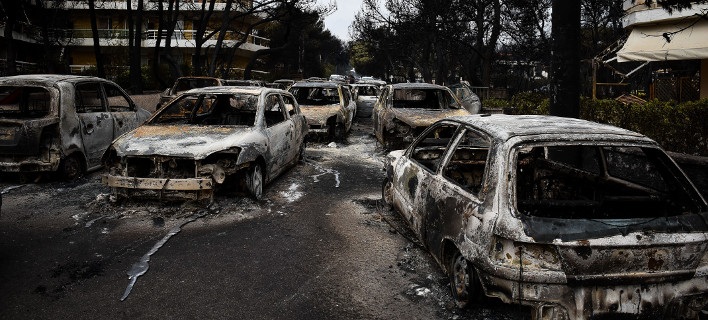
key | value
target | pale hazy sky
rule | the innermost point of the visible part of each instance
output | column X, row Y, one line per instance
column 338, row 22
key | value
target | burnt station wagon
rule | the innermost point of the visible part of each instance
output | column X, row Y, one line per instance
column 206, row 138
column 61, row 123
column 574, row 219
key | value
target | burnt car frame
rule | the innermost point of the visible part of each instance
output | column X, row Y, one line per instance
column 61, row 123
column 240, row 137
column 366, row 95
column 328, row 107
column 404, row 110
column 571, row 218
column 183, row 84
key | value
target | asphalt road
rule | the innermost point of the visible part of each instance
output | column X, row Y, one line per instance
column 317, row 247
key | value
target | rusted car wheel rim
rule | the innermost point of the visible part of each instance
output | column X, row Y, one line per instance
column 387, row 194
column 71, row 168
column 462, row 280
column 255, row 182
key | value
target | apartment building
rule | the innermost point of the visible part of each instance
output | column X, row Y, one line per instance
column 75, row 37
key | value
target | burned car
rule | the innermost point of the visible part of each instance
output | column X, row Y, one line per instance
column 231, row 137
column 404, row 110
column 328, row 107
column 60, row 123
column 365, row 96
column 186, row 83
column 573, row 219
column 470, row 101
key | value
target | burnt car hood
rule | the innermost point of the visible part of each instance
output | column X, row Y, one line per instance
column 319, row 114
column 425, row 117
column 188, row 141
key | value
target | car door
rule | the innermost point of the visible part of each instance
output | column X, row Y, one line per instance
column 122, row 109
column 96, row 123
column 456, row 204
column 419, row 167
column 279, row 131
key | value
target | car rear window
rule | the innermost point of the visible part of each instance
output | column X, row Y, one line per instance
column 433, row 99
column 315, row 96
column 21, row 102
column 601, row 182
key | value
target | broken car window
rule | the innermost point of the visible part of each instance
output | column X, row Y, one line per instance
column 273, row 110
column 210, row 109
column 467, row 165
column 89, row 98
column 430, row 148
column 316, row 96
column 591, row 182
column 117, row 102
column 24, row 102
column 433, row 99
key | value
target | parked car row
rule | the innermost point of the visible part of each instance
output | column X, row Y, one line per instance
column 574, row 219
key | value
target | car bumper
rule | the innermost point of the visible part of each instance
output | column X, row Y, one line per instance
column 676, row 299
column 190, row 184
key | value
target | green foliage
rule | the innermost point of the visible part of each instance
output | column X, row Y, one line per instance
column 495, row 104
column 529, row 103
column 679, row 127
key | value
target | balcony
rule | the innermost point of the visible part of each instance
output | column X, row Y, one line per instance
column 638, row 13
column 180, row 38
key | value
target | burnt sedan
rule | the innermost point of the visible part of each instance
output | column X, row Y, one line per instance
column 404, row 110
column 328, row 107
column 205, row 138
column 573, row 219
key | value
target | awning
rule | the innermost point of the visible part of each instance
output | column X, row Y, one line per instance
column 647, row 43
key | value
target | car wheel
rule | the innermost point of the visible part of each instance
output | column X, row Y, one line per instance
column 254, row 181
column 387, row 194
column 71, row 168
column 301, row 152
column 340, row 131
column 463, row 280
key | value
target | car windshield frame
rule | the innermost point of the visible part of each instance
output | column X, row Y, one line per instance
column 420, row 98
column 196, row 108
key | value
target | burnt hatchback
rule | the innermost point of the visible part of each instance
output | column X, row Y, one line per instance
column 206, row 138
column 60, row 123
column 574, row 219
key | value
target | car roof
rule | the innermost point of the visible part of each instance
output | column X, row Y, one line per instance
column 417, row 86
column 505, row 127
column 255, row 90
column 48, row 79
column 316, row 85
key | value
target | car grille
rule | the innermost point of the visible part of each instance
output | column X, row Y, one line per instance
column 163, row 167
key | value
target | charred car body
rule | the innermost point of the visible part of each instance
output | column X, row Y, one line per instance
column 404, row 110
column 186, row 83
column 328, row 107
column 365, row 96
column 572, row 218
column 61, row 123
column 205, row 138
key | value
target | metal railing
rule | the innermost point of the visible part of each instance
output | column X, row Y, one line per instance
column 152, row 35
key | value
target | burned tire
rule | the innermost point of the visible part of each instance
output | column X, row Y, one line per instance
column 463, row 280
column 254, row 181
column 71, row 168
column 387, row 194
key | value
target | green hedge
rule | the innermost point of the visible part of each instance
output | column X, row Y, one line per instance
column 678, row 127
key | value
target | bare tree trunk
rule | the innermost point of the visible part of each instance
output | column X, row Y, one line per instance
column 225, row 21
column 96, row 41
column 200, row 37
column 565, row 59
column 11, row 62
column 135, row 48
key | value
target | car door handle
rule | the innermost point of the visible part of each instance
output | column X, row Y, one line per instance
column 89, row 128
